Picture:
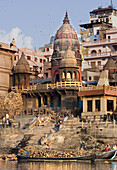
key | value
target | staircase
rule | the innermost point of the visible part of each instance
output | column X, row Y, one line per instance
column 72, row 126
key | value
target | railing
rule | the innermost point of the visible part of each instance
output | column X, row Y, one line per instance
column 100, row 42
column 104, row 54
column 91, row 87
column 48, row 86
column 65, row 85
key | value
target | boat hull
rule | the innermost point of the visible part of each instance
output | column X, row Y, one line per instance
column 106, row 155
column 42, row 159
column 93, row 157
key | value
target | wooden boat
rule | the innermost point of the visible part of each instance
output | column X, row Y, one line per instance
column 92, row 158
column 106, row 155
column 41, row 159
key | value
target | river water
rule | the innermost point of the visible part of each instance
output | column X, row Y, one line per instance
column 14, row 165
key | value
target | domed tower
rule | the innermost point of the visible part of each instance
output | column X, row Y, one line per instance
column 22, row 73
column 66, row 37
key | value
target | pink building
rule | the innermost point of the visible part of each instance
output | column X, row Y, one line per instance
column 100, row 51
column 36, row 60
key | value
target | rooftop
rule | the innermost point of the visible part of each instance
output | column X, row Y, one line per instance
column 100, row 9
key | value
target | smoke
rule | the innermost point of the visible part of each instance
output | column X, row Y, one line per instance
column 22, row 41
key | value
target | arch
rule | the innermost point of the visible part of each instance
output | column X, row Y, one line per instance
column 69, row 75
column 93, row 52
column 56, row 76
column 78, row 75
column 74, row 75
column 63, row 75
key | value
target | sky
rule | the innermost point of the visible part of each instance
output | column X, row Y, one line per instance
column 31, row 22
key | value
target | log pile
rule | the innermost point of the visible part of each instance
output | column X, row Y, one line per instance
column 11, row 103
column 43, row 121
column 8, row 157
column 34, row 151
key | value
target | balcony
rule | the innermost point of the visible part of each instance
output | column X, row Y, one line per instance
column 100, row 55
column 100, row 42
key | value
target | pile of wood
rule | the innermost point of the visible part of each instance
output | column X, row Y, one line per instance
column 11, row 103
column 34, row 151
column 43, row 121
column 8, row 157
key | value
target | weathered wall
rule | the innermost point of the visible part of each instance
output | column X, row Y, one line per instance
column 6, row 63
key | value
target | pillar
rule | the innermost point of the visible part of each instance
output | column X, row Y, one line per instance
column 42, row 103
column 37, row 103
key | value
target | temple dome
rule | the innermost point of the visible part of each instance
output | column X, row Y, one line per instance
column 66, row 29
column 69, row 59
column 66, row 36
column 22, row 65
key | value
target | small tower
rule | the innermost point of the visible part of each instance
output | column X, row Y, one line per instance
column 22, row 73
column 68, row 67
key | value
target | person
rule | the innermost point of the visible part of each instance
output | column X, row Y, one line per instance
column 107, row 148
column 67, row 114
column 7, row 115
column 3, row 121
column 114, row 147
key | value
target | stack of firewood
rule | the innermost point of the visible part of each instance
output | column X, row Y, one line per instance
column 11, row 103
column 34, row 151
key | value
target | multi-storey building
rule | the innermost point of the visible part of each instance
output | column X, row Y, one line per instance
column 101, row 19
column 36, row 59
column 99, row 40
column 100, row 51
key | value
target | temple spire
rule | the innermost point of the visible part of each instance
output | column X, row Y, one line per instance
column 66, row 20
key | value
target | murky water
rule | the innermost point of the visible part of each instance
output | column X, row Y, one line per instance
column 14, row 165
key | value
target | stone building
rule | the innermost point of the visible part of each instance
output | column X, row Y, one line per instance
column 66, row 61
column 66, row 74
column 39, row 60
column 7, row 52
column 22, row 73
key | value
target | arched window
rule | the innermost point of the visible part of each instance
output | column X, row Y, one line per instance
column 74, row 75
column 93, row 52
column 69, row 75
column 63, row 75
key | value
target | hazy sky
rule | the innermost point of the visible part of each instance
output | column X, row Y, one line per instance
column 32, row 21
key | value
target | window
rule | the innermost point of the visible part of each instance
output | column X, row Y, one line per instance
column 40, row 60
column 63, row 76
column 40, row 69
column 28, row 57
column 44, row 61
column 15, row 58
column 109, row 105
column 89, row 105
column 98, row 32
column 46, row 75
column 93, row 52
column 107, row 20
column 47, row 49
column 74, row 75
column 109, row 37
column 69, row 75
column 99, row 63
column 89, row 77
column 93, row 63
column 35, row 59
column 97, row 105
